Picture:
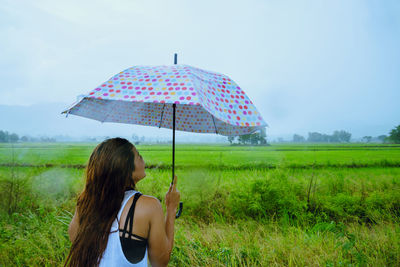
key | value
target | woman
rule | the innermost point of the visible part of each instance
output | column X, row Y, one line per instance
column 114, row 225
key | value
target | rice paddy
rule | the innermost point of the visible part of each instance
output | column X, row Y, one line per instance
column 281, row 205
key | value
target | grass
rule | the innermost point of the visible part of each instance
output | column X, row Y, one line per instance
column 214, row 156
column 237, row 210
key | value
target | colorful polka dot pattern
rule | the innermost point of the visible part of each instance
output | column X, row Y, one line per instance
column 207, row 102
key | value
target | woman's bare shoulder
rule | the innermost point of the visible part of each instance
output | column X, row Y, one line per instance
column 150, row 202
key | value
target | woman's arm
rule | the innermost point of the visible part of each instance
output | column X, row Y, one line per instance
column 73, row 227
column 161, row 235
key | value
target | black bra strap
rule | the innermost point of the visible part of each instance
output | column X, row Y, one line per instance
column 129, row 217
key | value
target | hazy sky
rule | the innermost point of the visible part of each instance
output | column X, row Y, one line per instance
column 307, row 65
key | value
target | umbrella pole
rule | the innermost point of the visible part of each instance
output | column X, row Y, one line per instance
column 173, row 143
column 178, row 214
column 173, row 129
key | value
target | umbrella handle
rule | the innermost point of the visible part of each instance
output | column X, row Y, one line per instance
column 178, row 214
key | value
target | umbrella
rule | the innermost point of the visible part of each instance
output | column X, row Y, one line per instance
column 177, row 97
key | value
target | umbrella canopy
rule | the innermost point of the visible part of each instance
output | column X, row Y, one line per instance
column 206, row 102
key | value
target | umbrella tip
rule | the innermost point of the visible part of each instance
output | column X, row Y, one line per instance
column 175, row 58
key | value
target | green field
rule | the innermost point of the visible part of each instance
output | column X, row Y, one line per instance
column 284, row 205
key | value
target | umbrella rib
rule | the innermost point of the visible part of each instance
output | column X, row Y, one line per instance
column 162, row 114
column 216, row 131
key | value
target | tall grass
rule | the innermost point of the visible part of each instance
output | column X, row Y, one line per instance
column 280, row 216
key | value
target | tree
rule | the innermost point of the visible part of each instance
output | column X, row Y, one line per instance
column 263, row 136
column 298, row 138
column 257, row 138
column 244, row 139
column 231, row 139
column 315, row 137
column 135, row 137
column 254, row 138
column 367, row 139
column 3, row 137
column 337, row 136
column 343, row 136
column 394, row 135
column 382, row 138
column 13, row 138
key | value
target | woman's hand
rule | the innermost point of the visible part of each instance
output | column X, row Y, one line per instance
column 161, row 236
column 173, row 196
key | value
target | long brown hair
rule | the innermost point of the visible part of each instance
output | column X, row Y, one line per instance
column 108, row 173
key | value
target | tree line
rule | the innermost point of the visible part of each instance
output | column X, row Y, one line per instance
column 257, row 138
column 315, row 137
column 6, row 137
column 345, row 137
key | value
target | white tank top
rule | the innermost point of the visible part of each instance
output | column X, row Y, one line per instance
column 113, row 254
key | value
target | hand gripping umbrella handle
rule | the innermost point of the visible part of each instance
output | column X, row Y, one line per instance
column 178, row 214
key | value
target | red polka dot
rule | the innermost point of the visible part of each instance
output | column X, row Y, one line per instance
column 238, row 118
column 188, row 98
column 110, row 85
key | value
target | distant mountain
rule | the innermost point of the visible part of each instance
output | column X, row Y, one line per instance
column 47, row 120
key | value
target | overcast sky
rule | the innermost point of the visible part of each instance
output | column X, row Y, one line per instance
column 307, row 65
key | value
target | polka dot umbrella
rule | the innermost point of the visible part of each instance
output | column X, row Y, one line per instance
column 178, row 97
